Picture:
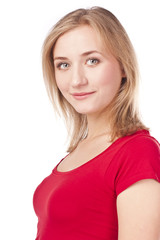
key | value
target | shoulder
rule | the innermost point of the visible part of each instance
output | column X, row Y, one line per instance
column 141, row 140
column 137, row 158
column 139, row 147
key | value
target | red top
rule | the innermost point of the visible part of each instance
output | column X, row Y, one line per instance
column 81, row 204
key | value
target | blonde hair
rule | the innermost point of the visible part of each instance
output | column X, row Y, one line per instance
column 124, row 116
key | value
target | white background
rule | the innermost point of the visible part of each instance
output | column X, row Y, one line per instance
column 32, row 139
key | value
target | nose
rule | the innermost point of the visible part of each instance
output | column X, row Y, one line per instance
column 78, row 76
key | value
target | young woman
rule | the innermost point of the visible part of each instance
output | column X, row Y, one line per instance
column 107, row 187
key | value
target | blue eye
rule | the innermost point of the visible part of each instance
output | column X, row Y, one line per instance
column 63, row 66
column 92, row 61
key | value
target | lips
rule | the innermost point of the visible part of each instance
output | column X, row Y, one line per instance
column 82, row 94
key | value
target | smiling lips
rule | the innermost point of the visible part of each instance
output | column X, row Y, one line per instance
column 81, row 95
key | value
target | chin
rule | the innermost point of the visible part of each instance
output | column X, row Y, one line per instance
column 83, row 111
column 87, row 111
column 92, row 110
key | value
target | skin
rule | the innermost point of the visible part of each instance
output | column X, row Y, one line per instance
column 138, row 210
column 77, row 71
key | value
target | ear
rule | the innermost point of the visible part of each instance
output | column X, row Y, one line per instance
column 124, row 79
column 123, row 74
column 122, row 71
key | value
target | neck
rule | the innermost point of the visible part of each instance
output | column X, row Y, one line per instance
column 98, row 125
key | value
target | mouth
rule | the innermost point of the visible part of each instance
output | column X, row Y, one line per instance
column 82, row 95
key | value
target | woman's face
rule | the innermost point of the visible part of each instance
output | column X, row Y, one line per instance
column 86, row 74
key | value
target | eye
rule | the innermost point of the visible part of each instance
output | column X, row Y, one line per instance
column 92, row 61
column 62, row 66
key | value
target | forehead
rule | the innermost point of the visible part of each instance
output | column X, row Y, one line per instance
column 82, row 38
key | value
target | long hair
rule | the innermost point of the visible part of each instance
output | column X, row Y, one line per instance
column 124, row 114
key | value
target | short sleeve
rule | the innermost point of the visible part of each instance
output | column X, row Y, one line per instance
column 138, row 159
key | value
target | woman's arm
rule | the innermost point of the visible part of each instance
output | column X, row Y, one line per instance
column 139, row 211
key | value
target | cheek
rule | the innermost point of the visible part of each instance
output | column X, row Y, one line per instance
column 111, row 77
column 61, row 83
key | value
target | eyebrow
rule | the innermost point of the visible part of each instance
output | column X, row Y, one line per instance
column 83, row 55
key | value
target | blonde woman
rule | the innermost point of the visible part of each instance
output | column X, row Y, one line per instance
column 107, row 187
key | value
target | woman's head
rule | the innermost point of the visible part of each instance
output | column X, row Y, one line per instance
column 87, row 75
column 115, row 41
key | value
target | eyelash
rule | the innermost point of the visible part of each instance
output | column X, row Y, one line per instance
column 60, row 64
column 90, row 59
column 93, row 59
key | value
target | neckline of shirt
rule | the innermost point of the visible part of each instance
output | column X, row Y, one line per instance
column 55, row 171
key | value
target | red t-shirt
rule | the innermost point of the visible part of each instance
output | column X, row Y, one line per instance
column 81, row 204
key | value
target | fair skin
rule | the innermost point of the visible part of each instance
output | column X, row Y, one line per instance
column 89, row 77
column 87, row 68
